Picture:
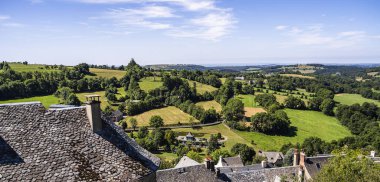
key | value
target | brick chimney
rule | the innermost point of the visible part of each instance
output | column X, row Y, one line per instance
column 296, row 158
column 94, row 112
column 302, row 158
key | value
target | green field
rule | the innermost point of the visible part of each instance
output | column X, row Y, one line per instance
column 45, row 100
column 210, row 104
column 150, row 83
column 106, row 73
column 202, row 88
column 170, row 115
column 48, row 100
column 308, row 123
column 30, row 67
column 350, row 99
column 248, row 100
column 205, row 132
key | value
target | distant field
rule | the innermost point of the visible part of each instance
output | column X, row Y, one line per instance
column 308, row 123
column 30, row 67
column 373, row 73
column 48, row 100
column 205, row 132
column 150, row 83
column 45, row 100
column 170, row 115
column 223, row 80
column 248, row 100
column 299, row 76
column 202, row 88
column 107, row 73
column 350, row 99
column 250, row 111
column 210, row 104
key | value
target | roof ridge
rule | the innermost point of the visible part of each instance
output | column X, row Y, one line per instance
column 21, row 103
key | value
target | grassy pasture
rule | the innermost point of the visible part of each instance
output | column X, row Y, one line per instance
column 307, row 123
column 202, row 88
column 46, row 100
column 170, row 115
column 350, row 99
column 210, row 104
column 298, row 76
column 205, row 132
column 30, row 67
column 150, row 83
column 250, row 111
column 107, row 73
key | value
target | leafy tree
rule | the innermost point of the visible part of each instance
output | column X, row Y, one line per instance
column 158, row 136
column 313, row 146
column 271, row 123
column 225, row 92
column 289, row 157
column 67, row 96
column 108, row 110
column 266, row 100
column 294, row 103
column 234, row 110
column 327, row 106
column 217, row 153
column 195, row 156
column 349, row 165
column 82, row 68
column 248, row 89
column 156, row 121
column 72, row 100
column 274, row 107
column 133, row 122
column 124, row 124
column 315, row 103
column 213, row 143
column 143, row 132
column 246, row 153
column 111, row 97
column 170, row 137
column 325, row 93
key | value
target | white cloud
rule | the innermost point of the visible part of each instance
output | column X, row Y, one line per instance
column 281, row 27
column 36, row 1
column 210, row 27
column 4, row 17
column 205, row 20
column 13, row 25
column 315, row 35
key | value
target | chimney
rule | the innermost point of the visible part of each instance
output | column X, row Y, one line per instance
column 94, row 112
column 302, row 159
column 264, row 164
column 296, row 158
column 212, row 166
column 208, row 163
column 217, row 172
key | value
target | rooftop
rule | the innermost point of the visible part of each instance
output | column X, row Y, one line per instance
column 59, row 145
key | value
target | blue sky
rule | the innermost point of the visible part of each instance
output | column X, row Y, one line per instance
column 213, row 32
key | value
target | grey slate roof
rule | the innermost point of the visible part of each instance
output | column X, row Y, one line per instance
column 272, row 157
column 198, row 173
column 59, row 145
column 314, row 164
column 185, row 162
column 267, row 174
column 232, row 161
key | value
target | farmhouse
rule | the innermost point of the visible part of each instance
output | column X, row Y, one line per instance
column 272, row 158
column 69, row 144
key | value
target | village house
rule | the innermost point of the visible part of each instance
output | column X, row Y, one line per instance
column 272, row 158
column 116, row 116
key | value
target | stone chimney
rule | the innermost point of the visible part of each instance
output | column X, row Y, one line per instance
column 212, row 166
column 373, row 153
column 302, row 159
column 296, row 158
column 264, row 164
column 208, row 163
column 94, row 112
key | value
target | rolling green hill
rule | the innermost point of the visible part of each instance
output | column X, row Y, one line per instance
column 350, row 99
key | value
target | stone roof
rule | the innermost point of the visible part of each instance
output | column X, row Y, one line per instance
column 198, row 173
column 314, row 164
column 185, row 162
column 230, row 161
column 267, row 174
column 272, row 157
column 59, row 145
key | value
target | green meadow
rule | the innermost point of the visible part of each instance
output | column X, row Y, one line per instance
column 350, row 99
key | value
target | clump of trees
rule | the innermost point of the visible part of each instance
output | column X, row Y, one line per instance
column 246, row 153
column 271, row 123
column 294, row 103
column 67, row 96
column 266, row 100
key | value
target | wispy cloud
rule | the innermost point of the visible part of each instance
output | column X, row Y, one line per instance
column 315, row 35
column 180, row 18
column 13, row 25
column 281, row 27
column 4, row 17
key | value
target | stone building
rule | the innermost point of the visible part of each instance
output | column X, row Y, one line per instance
column 69, row 144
